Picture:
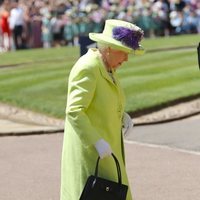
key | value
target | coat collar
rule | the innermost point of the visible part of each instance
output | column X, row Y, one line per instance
column 105, row 73
column 102, row 68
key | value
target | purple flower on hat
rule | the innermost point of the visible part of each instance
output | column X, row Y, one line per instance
column 128, row 37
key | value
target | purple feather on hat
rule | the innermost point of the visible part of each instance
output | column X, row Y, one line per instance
column 128, row 37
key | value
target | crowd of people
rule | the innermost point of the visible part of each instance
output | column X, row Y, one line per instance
column 46, row 23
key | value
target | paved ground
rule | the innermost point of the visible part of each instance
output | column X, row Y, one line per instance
column 162, row 160
column 16, row 121
column 181, row 134
column 30, row 169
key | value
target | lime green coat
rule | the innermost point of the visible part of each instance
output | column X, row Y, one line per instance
column 94, row 110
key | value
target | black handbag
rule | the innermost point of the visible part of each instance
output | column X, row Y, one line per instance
column 97, row 188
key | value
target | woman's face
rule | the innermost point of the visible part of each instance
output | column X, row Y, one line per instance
column 116, row 58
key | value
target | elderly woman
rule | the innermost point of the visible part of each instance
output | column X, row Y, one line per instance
column 95, row 109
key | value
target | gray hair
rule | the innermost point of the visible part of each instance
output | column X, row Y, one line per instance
column 102, row 46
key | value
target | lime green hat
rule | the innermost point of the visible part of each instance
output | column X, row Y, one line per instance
column 120, row 35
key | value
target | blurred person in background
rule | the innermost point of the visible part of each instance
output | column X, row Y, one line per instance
column 190, row 21
column 68, row 34
column 4, row 25
column 95, row 109
column 46, row 30
column 17, row 24
column 36, row 26
column 1, row 45
column 57, row 27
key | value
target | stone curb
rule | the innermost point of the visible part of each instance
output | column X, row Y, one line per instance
column 172, row 113
column 61, row 130
column 168, row 120
column 32, row 132
column 52, row 125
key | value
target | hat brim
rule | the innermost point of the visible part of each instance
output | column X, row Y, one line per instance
column 103, row 39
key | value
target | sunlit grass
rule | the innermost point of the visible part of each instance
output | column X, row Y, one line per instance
column 39, row 83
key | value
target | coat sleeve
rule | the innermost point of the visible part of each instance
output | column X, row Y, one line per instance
column 81, row 90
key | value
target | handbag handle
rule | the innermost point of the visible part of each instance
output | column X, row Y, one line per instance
column 117, row 166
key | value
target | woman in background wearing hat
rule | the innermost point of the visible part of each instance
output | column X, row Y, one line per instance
column 95, row 109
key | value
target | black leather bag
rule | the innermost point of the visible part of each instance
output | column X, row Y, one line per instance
column 97, row 188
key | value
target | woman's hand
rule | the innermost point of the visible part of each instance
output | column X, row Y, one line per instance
column 103, row 148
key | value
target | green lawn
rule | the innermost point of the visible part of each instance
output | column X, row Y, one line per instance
column 173, row 41
column 38, row 55
column 40, row 82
